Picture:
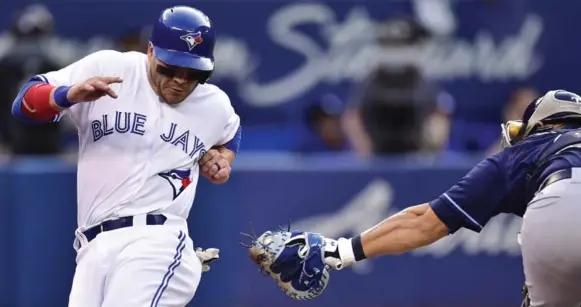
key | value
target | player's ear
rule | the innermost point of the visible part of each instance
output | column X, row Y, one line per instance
column 149, row 50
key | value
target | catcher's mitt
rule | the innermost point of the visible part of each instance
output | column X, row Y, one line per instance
column 293, row 259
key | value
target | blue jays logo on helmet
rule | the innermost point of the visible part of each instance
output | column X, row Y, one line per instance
column 179, row 180
column 193, row 39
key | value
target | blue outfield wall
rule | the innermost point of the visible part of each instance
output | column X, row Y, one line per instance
column 326, row 195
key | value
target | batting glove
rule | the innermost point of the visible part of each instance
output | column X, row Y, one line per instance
column 206, row 256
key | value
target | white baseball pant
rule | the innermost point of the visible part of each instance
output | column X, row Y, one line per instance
column 137, row 266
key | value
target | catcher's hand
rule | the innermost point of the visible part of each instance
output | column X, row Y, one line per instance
column 206, row 256
column 295, row 260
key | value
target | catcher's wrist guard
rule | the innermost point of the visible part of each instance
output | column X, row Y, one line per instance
column 357, row 246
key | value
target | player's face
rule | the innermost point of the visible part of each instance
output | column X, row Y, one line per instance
column 173, row 84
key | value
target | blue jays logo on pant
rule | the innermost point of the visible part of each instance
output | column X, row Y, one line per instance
column 179, row 180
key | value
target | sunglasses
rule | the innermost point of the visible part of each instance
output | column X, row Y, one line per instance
column 191, row 75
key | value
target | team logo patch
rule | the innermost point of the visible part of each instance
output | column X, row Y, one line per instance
column 567, row 96
column 179, row 180
column 193, row 39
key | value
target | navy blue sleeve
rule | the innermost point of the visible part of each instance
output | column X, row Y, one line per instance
column 473, row 201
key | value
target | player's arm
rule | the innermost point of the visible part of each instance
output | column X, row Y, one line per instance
column 230, row 148
column 44, row 97
column 412, row 228
column 42, row 102
column 216, row 164
column 468, row 204
column 38, row 101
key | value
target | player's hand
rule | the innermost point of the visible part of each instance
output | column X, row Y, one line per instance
column 92, row 89
column 206, row 256
column 215, row 166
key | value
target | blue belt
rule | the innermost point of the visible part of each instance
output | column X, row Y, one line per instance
column 151, row 219
column 556, row 176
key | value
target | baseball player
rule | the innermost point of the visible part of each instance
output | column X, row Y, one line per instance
column 537, row 176
column 148, row 125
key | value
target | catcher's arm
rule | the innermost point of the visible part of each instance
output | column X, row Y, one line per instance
column 412, row 228
column 468, row 204
column 409, row 229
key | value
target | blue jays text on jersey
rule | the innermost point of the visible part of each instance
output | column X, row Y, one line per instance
column 124, row 122
column 502, row 183
column 131, row 122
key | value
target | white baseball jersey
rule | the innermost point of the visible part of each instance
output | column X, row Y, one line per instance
column 136, row 154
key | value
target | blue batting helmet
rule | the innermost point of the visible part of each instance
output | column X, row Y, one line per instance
column 184, row 36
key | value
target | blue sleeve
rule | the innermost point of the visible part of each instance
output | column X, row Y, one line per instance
column 234, row 143
column 17, row 103
column 474, row 200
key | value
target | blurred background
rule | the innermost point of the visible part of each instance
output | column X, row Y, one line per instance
column 351, row 110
